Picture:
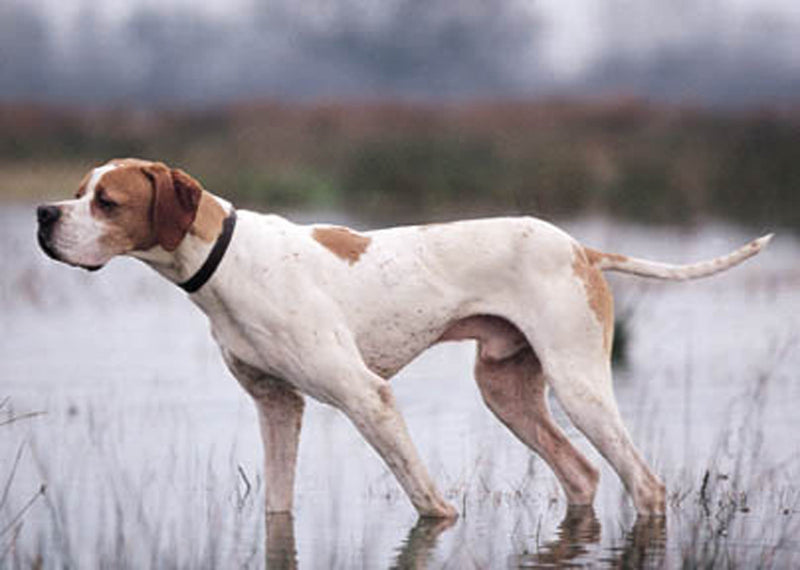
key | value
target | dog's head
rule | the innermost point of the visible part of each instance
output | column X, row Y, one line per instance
column 124, row 206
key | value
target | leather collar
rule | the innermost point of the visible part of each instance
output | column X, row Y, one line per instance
column 214, row 258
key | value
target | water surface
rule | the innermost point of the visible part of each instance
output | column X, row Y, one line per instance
column 150, row 451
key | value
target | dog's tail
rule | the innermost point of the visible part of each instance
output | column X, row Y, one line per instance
column 645, row 268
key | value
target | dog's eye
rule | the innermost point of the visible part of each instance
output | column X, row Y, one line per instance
column 105, row 203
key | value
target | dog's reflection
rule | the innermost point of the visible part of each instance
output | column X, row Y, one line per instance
column 281, row 551
column 419, row 544
column 579, row 529
column 643, row 546
column 413, row 554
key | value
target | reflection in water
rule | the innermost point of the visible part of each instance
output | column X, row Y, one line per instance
column 643, row 546
column 579, row 529
column 420, row 542
column 413, row 553
column 281, row 551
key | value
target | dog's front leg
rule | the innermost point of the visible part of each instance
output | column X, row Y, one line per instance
column 368, row 401
column 280, row 414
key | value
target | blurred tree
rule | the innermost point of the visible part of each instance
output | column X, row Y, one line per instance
column 428, row 48
column 404, row 179
column 174, row 56
column 25, row 52
column 760, row 181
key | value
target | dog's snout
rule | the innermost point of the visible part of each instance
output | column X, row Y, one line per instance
column 47, row 215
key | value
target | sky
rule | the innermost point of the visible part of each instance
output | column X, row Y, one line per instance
column 174, row 51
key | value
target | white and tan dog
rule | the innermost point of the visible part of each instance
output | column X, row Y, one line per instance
column 333, row 314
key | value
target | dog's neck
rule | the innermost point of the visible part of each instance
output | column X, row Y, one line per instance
column 178, row 265
column 182, row 263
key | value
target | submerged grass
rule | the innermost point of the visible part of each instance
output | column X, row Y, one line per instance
column 745, row 510
column 737, row 511
column 12, row 515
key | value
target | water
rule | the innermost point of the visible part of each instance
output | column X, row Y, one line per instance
column 150, row 451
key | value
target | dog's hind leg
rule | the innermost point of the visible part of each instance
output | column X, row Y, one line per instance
column 584, row 392
column 514, row 389
column 280, row 414
column 575, row 332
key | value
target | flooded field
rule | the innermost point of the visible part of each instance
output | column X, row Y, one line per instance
column 148, row 452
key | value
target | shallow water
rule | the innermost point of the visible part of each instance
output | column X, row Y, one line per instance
column 151, row 455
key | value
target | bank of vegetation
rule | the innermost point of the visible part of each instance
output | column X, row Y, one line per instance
column 404, row 162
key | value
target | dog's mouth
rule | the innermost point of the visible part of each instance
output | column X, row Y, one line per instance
column 44, row 243
column 47, row 247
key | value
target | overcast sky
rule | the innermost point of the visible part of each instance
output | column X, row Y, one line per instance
column 175, row 51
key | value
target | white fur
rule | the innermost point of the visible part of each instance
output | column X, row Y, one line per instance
column 284, row 307
column 97, row 174
column 646, row 268
column 77, row 235
column 291, row 318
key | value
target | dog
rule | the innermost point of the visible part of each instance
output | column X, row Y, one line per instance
column 331, row 313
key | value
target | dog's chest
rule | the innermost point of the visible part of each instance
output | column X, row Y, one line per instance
column 234, row 335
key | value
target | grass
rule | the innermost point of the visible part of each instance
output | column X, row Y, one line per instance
column 12, row 518
column 738, row 511
column 738, row 484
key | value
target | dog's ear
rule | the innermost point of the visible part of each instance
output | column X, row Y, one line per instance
column 175, row 202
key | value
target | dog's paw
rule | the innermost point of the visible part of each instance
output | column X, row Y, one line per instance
column 441, row 510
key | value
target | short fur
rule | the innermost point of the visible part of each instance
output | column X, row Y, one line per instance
column 330, row 313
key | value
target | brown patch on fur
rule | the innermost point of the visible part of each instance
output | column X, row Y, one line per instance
column 599, row 296
column 152, row 205
column 210, row 216
column 386, row 396
column 129, row 222
column 595, row 256
column 177, row 197
column 343, row 242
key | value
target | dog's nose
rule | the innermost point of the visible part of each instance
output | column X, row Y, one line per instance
column 47, row 215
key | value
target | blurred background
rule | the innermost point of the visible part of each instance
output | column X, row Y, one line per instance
column 417, row 109
column 664, row 129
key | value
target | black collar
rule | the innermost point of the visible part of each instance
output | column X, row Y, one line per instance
column 212, row 261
